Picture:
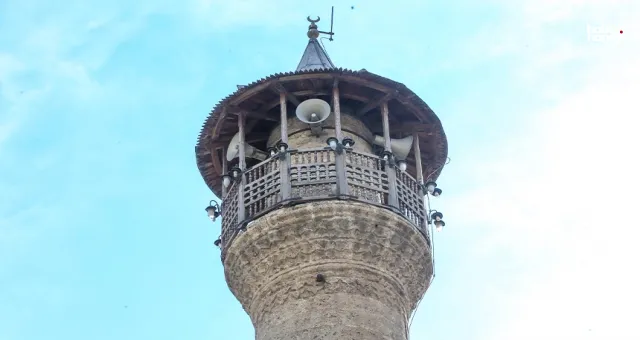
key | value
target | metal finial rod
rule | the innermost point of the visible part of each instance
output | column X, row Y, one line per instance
column 330, row 33
column 314, row 33
column 331, row 30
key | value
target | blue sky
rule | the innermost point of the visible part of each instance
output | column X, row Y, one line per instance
column 102, row 229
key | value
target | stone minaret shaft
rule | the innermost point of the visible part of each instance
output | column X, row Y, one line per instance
column 374, row 267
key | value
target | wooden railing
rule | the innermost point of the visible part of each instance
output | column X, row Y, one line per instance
column 262, row 187
column 367, row 178
column 313, row 173
column 301, row 176
column 229, row 214
column 411, row 200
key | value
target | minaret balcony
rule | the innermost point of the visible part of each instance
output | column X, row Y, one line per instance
column 315, row 174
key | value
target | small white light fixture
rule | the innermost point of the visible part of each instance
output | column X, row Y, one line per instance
column 436, row 192
column 217, row 243
column 272, row 151
column 402, row 165
column 431, row 186
column 348, row 142
column 387, row 156
column 436, row 216
column 213, row 210
column 333, row 143
column 236, row 172
column 226, row 180
column 282, row 147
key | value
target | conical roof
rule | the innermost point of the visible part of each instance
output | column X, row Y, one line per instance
column 314, row 57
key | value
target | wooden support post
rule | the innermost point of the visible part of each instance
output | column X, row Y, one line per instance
column 242, row 164
column 285, row 162
column 341, row 158
column 418, row 157
column 385, row 126
column 341, row 173
column 284, row 134
column 391, row 171
column 224, row 172
column 420, row 177
column 285, row 176
column 336, row 110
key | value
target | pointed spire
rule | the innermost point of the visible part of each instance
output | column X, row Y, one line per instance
column 314, row 56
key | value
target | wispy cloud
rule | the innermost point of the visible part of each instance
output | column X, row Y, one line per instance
column 223, row 15
column 538, row 197
column 558, row 196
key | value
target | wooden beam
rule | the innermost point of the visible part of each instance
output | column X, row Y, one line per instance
column 253, row 138
column 366, row 83
column 218, row 127
column 412, row 108
column 217, row 167
column 306, row 76
column 316, row 85
column 234, row 110
column 250, row 126
column 376, row 103
column 278, row 88
column 382, row 88
column 258, row 100
column 249, row 93
column 270, row 105
column 412, row 127
column 224, row 138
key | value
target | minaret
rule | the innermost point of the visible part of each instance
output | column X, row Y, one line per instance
column 323, row 174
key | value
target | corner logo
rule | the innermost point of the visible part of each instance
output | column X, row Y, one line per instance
column 603, row 34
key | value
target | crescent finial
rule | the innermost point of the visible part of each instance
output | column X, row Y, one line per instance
column 313, row 21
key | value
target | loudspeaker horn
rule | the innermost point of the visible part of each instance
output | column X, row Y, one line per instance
column 249, row 151
column 313, row 112
column 399, row 147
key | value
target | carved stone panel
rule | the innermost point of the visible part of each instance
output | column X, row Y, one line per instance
column 375, row 267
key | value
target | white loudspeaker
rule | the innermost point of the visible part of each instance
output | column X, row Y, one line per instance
column 249, row 151
column 399, row 147
column 313, row 112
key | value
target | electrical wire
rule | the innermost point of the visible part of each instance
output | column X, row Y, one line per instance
column 439, row 168
column 427, row 206
column 321, row 43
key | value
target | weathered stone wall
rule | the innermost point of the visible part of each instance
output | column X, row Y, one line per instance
column 300, row 137
column 376, row 266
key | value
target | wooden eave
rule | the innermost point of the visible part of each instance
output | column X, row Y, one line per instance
column 362, row 91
